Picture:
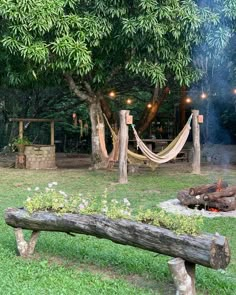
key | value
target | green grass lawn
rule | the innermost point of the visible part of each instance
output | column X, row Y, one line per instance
column 86, row 265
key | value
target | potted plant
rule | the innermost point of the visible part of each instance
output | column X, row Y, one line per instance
column 20, row 143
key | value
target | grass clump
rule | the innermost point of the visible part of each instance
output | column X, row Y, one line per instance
column 87, row 265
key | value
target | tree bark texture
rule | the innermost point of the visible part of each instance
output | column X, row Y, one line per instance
column 196, row 165
column 206, row 188
column 99, row 152
column 205, row 249
column 182, row 280
column 25, row 248
column 123, row 147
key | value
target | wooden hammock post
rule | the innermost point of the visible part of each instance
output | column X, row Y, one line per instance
column 123, row 147
column 196, row 165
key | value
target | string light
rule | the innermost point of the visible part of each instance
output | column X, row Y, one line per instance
column 234, row 91
column 129, row 101
column 188, row 100
column 203, row 95
column 112, row 94
column 149, row 105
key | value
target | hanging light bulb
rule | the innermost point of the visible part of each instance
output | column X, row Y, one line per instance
column 188, row 100
column 149, row 105
column 203, row 95
column 112, row 94
column 129, row 101
column 234, row 91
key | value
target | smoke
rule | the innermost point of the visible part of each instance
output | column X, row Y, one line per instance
column 214, row 58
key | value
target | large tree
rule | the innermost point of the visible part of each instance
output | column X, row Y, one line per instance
column 89, row 44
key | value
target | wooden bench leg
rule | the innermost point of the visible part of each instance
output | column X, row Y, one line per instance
column 183, row 275
column 26, row 248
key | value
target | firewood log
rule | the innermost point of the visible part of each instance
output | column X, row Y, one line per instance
column 228, row 192
column 207, row 188
column 223, row 204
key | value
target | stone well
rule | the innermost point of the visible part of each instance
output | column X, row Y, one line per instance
column 40, row 157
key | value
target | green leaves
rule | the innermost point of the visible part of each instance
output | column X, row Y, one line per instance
column 75, row 52
column 152, row 71
column 37, row 52
column 219, row 39
column 151, row 39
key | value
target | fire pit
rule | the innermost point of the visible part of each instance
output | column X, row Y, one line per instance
column 211, row 200
column 212, row 197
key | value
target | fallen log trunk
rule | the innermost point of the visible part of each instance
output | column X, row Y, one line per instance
column 206, row 249
column 223, row 204
column 228, row 192
column 207, row 188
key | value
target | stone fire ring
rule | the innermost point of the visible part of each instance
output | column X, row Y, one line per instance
column 174, row 206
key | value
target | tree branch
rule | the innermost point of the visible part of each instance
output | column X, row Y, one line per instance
column 89, row 89
column 73, row 87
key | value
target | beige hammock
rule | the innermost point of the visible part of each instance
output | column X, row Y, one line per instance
column 171, row 151
column 114, row 155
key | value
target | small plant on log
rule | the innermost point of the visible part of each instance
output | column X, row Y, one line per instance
column 180, row 224
column 60, row 203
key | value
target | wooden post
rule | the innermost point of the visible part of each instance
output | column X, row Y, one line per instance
column 21, row 129
column 123, row 140
column 196, row 165
column 25, row 248
column 191, row 270
column 184, row 281
column 52, row 132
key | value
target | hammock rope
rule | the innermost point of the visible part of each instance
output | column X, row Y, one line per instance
column 115, row 143
column 171, row 151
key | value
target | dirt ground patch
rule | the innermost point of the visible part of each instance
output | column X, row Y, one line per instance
column 83, row 161
column 63, row 161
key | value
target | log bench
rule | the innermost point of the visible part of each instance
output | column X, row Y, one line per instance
column 206, row 249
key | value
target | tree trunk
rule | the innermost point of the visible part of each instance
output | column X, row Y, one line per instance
column 150, row 114
column 108, row 112
column 99, row 152
column 205, row 249
column 182, row 106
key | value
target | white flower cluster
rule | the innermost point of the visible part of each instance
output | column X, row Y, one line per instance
column 60, row 201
